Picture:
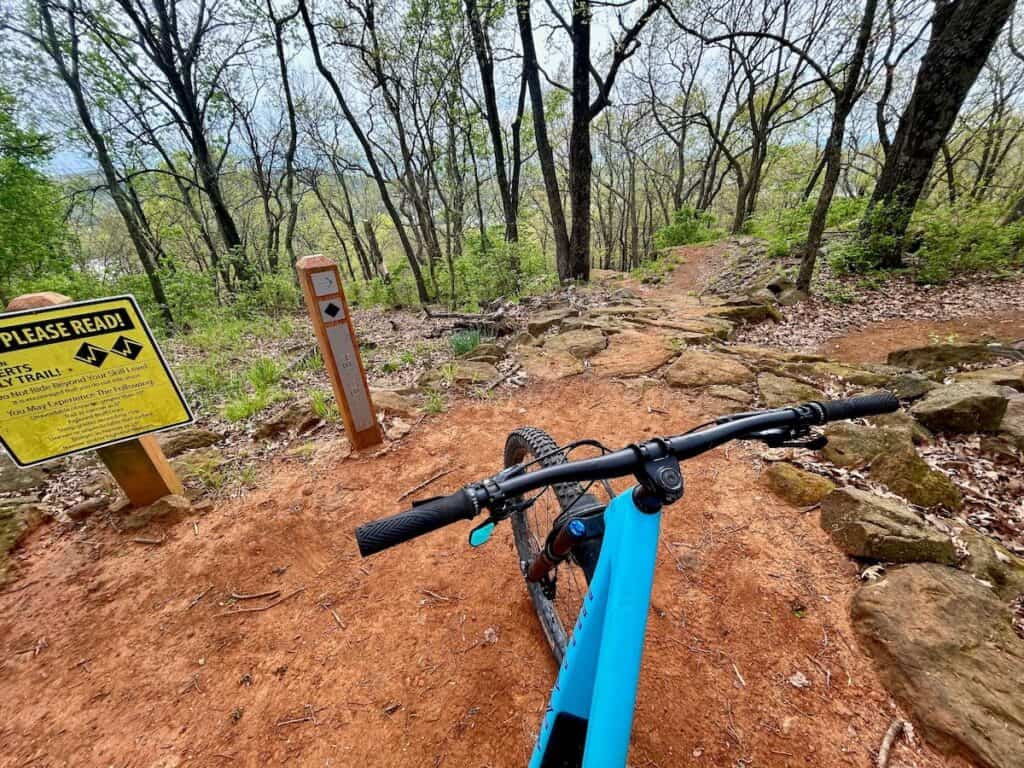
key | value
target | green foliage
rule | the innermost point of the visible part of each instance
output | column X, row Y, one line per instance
column 275, row 294
column 247, row 404
column 463, row 342
column 33, row 236
column 323, row 405
column 435, row 401
column 947, row 241
column 959, row 240
column 484, row 271
column 263, row 373
column 688, row 226
column 785, row 229
column 657, row 267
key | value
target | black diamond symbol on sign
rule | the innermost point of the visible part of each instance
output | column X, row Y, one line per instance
column 126, row 347
column 332, row 309
column 87, row 353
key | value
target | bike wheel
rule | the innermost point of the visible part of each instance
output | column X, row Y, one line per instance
column 530, row 529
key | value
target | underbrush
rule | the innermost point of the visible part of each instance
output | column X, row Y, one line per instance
column 688, row 226
column 785, row 229
column 945, row 242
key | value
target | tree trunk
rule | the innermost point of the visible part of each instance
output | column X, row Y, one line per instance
column 845, row 101
column 531, row 70
column 963, row 34
column 580, row 156
column 484, row 60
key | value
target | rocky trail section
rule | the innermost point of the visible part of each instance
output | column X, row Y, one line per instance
column 934, row 493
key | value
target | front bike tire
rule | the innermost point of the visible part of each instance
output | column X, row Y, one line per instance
column 530, row 529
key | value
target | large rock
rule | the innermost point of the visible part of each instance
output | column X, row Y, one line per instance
column 746, row 313
column 582, row 343
column 944, row 647
column 855, row 445
column 542, row 321
column 938, row 356
column 991, row 562
column 392, row 401
column 795, row 485
column 778, row 391
column 485, row 352
column 903, row 471
column 848, row 373
column 697, row 368
column 736, row 399
column 1012, row 425
column 910, row 386
column 1008, row 376
column 631, row 353
column 548, row 366
column 14, row 479
column 295, row 417
column 963, row 407
column 181, row 440
column 767, row 356
column 460, row 372
column 707, row 326
column 866, row 525
column 901, row 421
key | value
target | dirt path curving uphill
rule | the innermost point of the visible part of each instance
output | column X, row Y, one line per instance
column 119, row 652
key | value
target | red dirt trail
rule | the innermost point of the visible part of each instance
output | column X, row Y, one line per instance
column 109, row 659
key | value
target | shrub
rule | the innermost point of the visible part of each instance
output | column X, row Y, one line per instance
column 688, row 226
column 463, row 342
column 785, row 229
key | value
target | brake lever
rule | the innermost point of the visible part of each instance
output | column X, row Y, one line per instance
column 783, row 438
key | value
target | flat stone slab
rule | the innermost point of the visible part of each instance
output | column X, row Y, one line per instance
column 968, row 406
column 698, row 368
column 866, row 525
column 632, row 353
column 944, row 647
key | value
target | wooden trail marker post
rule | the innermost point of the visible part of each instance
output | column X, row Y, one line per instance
column 140, row 383
column 332, row 323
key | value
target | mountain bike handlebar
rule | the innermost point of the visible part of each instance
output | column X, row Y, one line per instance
column 467, row 502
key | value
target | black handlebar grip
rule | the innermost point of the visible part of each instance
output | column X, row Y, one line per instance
column 424, row 517
column 858, row 407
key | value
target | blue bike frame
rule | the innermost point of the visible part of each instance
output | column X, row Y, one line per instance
column 589, row 719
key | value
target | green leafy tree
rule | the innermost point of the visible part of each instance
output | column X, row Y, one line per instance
column 32, row 231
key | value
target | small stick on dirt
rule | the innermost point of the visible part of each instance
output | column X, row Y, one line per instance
column 151, row 542
column 337, row 619
column 82, row 663
column 256, row 595
column 827, row 673
column 195, row 528
column 739, row 677
column 500, row 380
column 309, row 717
column 887, row 741
column 425, row 483
column 193, row 683
column 267, row 607
column 652, row 409
column 17, row 589
column 436, row 596
column 197, row 598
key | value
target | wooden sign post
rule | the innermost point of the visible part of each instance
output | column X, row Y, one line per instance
column 107, row 393
column 332, row 323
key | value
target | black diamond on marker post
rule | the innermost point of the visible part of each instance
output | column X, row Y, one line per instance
column 126, row 347
column 332, row 309
column 87, row 353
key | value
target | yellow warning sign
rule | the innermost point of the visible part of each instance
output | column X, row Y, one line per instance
column 82, row 376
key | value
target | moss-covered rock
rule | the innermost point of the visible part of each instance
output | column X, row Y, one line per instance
column 795, row 485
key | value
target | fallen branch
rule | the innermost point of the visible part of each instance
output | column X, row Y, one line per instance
column 267, row 607
column 425, row 483
column 888, row 740
column 150, row 542
column 502, row 379
column 197, row 598
column 257, row 595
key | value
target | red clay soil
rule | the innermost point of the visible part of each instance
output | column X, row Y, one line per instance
column 873, row 343
column 120, row 653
